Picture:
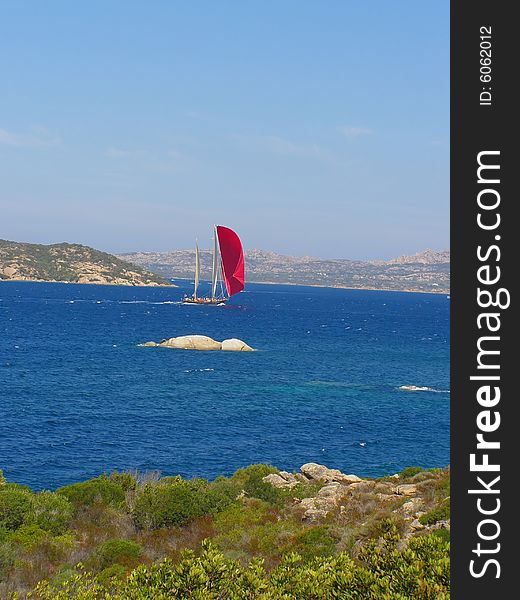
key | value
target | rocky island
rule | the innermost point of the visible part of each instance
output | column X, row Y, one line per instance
column 202, row 342
column 70, row 263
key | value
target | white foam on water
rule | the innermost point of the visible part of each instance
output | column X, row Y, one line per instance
column 418, row 388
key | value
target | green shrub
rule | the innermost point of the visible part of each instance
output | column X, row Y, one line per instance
column 118, row 551
column 52, row 512
column 443, row 534
column 211, row 499
column 114, row 572
column 2, row 478
column 419, row 572
column 28, row 536
column 125, row 480
column 175, row 502
column 242, row 476
column 15, row 486
column 315, row 541
column 7, row 558
column 244, row 516
column 228, row 487
column 250, row 480
column 442, row 487
column 100, row 489
column 410, row 472
column 15, row 503
column 439, row 513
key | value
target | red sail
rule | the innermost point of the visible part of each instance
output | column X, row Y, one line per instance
column 232, row 259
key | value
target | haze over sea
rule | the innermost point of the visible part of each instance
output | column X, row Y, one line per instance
column 79, row 396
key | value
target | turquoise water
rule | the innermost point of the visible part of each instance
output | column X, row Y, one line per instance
column 79, row 396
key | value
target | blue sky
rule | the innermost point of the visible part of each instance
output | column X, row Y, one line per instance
column 316, row 128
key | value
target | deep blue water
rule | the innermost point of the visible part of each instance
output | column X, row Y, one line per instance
column 79, row 396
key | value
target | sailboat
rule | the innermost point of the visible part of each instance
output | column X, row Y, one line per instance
column 227, row 273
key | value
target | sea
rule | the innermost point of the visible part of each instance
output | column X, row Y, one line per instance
column 80, row 396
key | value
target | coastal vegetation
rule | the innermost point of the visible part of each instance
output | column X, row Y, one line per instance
column 260, row 533
column 71, row 263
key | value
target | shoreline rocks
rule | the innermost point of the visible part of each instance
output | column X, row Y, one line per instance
column 202, row 342
column 338, row 493
column 316, row 472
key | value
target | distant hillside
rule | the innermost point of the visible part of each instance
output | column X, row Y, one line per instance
column 427, row 257
column 427, row 271
column 72, row 263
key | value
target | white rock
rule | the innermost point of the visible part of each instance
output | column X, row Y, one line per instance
column 235, row 345
column 192, row 342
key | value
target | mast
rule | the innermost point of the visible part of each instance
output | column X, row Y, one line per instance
column 197, row 270
column 214, row 271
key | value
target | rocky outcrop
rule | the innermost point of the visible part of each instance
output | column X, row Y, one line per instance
column 408, row 489
column 316, row 472
column 328, row 497
column 281, row 480
column 411, row 507
column 202, row 342
column 340, row 492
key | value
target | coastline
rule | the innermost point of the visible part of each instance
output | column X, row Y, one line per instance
column 440, row 292
column 348, row 287
column 161, row 285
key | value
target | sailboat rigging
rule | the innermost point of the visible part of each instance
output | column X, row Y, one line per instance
column 227, row 271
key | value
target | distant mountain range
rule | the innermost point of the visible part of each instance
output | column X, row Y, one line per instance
column 427, row 271
column 71, row 263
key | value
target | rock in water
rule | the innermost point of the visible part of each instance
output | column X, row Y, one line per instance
column 202, row 342
column 192, row 342
column 235, row 345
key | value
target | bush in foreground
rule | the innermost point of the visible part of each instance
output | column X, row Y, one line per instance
column 420, row 572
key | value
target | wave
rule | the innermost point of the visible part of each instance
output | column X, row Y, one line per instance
column 417, row 388
column 149, row 302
